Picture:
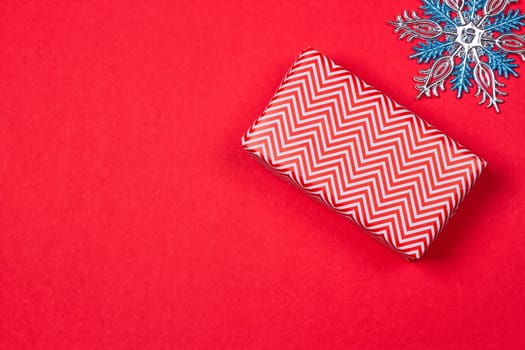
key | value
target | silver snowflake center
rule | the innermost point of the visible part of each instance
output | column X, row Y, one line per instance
column 469, row 41
column 469, row 36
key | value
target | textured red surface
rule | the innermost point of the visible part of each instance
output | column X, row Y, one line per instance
column 130, row 217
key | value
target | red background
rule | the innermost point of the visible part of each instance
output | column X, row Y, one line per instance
column 130, row 218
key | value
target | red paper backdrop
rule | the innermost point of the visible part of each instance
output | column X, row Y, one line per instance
column 130, row 218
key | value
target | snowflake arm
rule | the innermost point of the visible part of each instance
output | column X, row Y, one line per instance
column 500, row 62
column 512, row 44
column 411, row 26
column 474, row 7
column 463, row 75
column 506, row 22
column 438, row 11
column 425, row 52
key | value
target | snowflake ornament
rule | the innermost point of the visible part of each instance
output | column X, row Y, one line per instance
column 469, row 41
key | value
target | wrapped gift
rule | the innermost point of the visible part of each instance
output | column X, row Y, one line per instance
column 362, row 154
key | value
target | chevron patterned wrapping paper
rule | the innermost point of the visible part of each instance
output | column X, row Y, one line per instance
column 362, row 154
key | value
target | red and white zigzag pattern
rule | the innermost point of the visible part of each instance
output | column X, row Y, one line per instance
column 363, row 154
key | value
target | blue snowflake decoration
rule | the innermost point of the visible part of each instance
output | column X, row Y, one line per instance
column 469, row 41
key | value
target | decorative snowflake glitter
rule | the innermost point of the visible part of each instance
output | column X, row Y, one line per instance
column 468, row 40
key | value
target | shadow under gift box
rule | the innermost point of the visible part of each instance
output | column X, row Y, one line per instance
column 362, row 154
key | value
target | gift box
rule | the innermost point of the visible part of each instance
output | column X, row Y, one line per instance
column 362, row 154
